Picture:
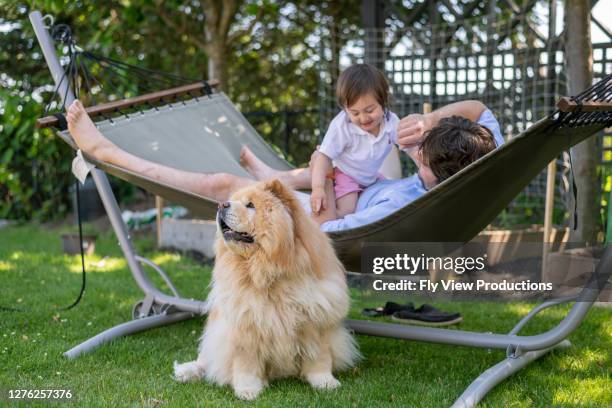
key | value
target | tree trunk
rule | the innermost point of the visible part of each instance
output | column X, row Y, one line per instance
column 217, row 63
column 220, row 16
column 579, row 62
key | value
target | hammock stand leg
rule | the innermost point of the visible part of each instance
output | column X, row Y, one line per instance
column 125, row 329
column 167, row 309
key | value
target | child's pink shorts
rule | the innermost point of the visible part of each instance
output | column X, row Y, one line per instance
column 345, row 184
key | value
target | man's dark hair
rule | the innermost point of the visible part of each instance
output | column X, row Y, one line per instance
column 453, row 144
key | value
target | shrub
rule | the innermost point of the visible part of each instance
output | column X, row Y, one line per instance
column 34, row 165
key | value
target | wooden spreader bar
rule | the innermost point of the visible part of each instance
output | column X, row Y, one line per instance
column 565, row 104
column 114, row 106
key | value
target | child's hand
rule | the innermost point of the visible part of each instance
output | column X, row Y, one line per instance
column 318, row 200
column 411, row 130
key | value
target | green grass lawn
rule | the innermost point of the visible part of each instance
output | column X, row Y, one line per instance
column 136, row 371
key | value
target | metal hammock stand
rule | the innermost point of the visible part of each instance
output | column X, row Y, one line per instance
column 577, row 119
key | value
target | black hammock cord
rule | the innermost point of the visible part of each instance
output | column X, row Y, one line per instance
column 600, row 92
column 113, row 72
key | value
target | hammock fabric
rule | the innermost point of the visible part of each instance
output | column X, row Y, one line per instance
column 205, row 135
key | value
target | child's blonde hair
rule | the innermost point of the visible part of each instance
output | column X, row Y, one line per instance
column 359, row 80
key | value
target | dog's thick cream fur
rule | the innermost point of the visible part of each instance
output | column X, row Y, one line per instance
column 277, row 301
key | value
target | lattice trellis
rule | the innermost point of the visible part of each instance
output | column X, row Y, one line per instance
column 497, row 56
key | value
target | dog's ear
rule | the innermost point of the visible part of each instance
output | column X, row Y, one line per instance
column 279, row 190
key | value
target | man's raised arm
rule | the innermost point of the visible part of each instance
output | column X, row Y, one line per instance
column 411, row 129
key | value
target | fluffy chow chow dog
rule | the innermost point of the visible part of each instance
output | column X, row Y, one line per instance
column 277, row 301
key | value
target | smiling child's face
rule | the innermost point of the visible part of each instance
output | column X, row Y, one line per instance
column 366, row 113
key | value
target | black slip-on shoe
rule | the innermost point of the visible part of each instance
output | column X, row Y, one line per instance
column 427, row 315
column 389, row 309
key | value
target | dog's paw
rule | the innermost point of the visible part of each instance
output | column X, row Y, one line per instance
column 248, row 387
column 187, row 371
column 323, row 381
column 248, row 393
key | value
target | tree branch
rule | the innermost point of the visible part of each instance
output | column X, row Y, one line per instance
column 212, row 14
column 181, row 29
column 228, row 13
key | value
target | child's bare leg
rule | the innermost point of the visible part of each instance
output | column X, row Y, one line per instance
column 346, row 204
column 218, row 186
column 328, row 213
column 295, row 178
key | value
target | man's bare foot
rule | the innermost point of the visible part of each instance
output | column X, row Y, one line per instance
column 257, row 168
column 85, row 134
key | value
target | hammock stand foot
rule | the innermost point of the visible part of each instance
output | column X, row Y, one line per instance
column 125, row 329
column 486, row 381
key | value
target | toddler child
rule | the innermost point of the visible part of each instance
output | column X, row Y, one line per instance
column 357, row 141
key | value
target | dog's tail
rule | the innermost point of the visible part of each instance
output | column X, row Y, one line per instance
column 345, row 353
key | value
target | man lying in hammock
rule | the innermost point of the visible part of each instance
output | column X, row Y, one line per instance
column 447, row 140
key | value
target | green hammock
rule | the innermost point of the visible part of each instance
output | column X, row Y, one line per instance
column 206, row 134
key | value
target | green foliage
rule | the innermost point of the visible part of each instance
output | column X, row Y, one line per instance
column 528, row 210
column 605, row 172
column 34, row 169
column 293, row 134
column 270, row 63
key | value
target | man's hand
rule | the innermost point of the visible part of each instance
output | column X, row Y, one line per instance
column 318, row 200
column 411, row 130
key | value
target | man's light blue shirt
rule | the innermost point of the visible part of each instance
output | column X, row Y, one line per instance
column 387, row 196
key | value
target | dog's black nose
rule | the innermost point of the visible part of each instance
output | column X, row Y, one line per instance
column 224, row 204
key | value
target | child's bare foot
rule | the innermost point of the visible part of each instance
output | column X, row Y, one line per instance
column 257, row 168
column 85, row 134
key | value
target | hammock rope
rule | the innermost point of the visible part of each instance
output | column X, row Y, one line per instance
column 601, row 92
column 112, row 75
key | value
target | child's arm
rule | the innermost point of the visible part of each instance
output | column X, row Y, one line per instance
column 333, row 144
column 412, row 128
column 321, row 166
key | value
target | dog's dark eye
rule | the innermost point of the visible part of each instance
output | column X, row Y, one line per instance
column 250, row 205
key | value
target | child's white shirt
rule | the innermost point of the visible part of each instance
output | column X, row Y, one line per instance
column 356, row 152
